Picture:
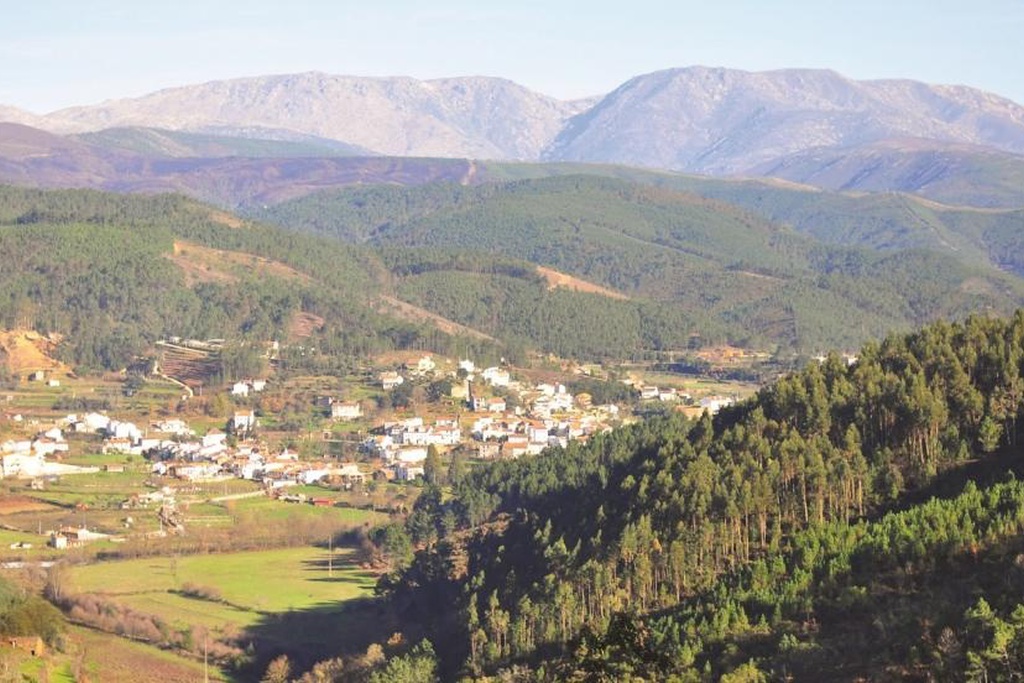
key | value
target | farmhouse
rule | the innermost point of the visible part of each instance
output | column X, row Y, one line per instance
column 713, row 404
column 496, row 376
column 421, row 366
column 243, row 420
column 346, row 411
column 73, row 537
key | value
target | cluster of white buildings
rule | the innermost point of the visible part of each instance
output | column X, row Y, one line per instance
column 402, row 445
column 649, row 392
column 546, row 415
column 245, row 387
column 212, row 459
column 27, row 458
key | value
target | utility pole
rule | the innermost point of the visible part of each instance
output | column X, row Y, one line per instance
column 330, row 556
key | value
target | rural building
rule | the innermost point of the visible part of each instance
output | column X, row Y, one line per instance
column 33, row 645
column 346, row 411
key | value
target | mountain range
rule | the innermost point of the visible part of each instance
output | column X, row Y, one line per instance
column 809, row 126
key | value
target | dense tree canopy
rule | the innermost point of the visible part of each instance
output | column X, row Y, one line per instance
column 774, row 537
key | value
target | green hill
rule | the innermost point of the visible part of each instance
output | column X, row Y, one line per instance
column 847, row 523
column 725, row 270
column 636, row 270
column 115, row 273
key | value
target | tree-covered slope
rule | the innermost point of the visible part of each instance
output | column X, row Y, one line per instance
column 847, row 523
column 880, row 220
column 112, row 274
column 760, row 281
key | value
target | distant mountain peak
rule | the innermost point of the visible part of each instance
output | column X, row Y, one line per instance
column 789, row 123
column 726, row 121
column 476, row 116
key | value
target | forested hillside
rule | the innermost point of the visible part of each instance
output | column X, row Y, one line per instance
column 726, row 272
column 848, row 523
column 111, row 274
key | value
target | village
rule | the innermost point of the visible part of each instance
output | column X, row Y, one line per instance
column 485, row 414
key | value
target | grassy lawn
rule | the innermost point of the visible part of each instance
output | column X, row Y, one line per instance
column 9, row 537
column 268, row 508
column 251, row 584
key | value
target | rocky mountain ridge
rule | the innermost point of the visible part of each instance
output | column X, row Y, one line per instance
column 807, row 125
column 473, row 117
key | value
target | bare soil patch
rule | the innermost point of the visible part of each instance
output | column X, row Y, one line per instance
column 26, row 351
column 203, row 264
column 304, row 324
column 413, row 313
column 11, row 505
column 557, row 279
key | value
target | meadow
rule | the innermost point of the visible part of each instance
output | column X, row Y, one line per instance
column 250, row 585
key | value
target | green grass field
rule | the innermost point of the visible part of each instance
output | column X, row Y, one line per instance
column 251, row 584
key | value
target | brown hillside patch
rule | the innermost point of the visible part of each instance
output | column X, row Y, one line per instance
column 304, row 324
column 978, row 286
column 204, row 264
column 727, row 355
column 27, row 351
column 14, row 504
column 557, row 279
column 758, row 276
column 225, row 218
column 407, row 311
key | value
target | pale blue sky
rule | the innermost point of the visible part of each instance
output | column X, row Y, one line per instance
column 60, row 53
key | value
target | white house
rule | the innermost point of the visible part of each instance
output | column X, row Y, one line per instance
column 713, row 404
column 123, row 430
column 214, row 437
column 496, row 376
column 243, row 420
column 538, row 434
column 174, row 426
column 240, row 389
column 346, row 411
column 649, row 392
column 412, row 454
column 421, row 366
column 390, row 380
column 21, row 465
column 44, row 445
column 54, row 433
column 95, row 422
column 351, row 472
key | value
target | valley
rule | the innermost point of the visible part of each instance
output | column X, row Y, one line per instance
column 715, row 376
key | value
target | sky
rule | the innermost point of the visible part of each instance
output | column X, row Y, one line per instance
column 59, row 53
